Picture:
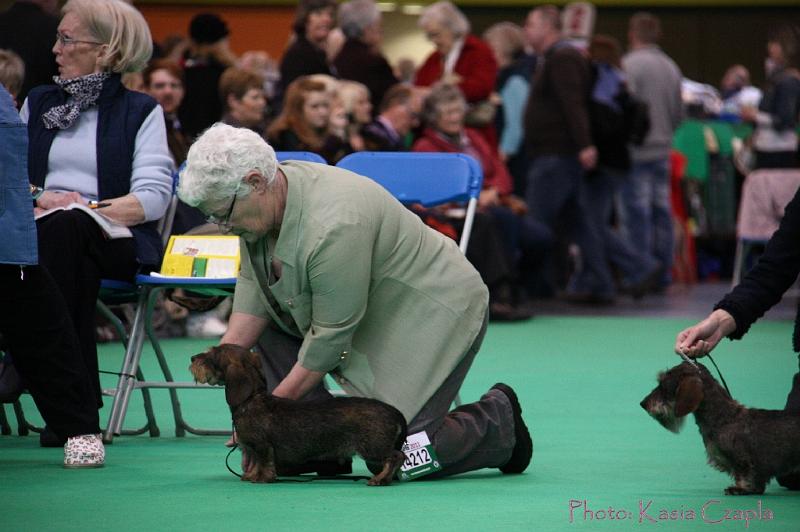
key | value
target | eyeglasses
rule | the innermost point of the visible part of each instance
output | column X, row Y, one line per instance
column 224, row 223
column 66, row 41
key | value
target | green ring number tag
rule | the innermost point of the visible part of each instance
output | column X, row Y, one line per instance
column 421, row 459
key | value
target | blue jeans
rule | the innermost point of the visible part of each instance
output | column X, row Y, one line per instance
column 647, row 211
column 601, row 189
column 554, row 197
column 18, row 243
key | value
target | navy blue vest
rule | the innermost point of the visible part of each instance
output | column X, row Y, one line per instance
column 120, row 116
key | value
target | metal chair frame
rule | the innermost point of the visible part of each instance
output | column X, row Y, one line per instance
column 146, row 291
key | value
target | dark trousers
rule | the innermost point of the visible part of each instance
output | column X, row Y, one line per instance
column 555, row 197
column 472, row 436
column 601, row 189
column 78, row 255
column 793, row 399
column 41, row 338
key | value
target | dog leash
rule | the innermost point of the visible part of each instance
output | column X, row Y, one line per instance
column 354, row 478
column 693, row 363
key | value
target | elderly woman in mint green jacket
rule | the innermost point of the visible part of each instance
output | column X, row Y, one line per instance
column 338, row 277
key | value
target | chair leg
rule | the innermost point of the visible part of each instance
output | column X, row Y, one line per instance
column 5, row 428
column 22, row 423
column 151, row 424
column 180, row 424
column 738, row 262
column 148, row 407
column 130, row 366
column 115, row 322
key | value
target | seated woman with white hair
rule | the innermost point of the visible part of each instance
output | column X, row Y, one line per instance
column 91, row 139
column 338, row 277
column 460, row 59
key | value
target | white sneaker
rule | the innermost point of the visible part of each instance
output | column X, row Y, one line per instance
column 86, row 450
column 205, row 325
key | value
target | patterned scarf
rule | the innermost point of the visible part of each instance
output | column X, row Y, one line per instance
column 84, row 92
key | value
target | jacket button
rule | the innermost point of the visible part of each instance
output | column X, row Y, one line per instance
column 290, row 302
column 343, row 355
column 342, row 380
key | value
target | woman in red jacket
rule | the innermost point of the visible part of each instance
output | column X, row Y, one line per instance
column 460, row 59
column 523, row 241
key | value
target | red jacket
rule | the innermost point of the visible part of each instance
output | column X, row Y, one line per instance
column 475, row 65
column 495, row 173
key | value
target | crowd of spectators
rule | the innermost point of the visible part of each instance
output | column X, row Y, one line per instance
column 576, row 207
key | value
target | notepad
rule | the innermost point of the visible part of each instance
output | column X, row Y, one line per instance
column 110, row 228
column 197, row 256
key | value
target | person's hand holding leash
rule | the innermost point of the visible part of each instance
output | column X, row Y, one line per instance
column 698, row 340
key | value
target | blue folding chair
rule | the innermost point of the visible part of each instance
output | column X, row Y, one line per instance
column 146, row 291
column 307, row 156
column 429, row 179
column 426, row 178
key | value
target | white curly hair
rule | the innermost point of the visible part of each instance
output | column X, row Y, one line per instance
column 219, row 159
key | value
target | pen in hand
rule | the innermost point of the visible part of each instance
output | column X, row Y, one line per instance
column 98, row 205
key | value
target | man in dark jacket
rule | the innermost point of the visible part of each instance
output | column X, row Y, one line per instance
column 559, row 141
column 399, row 114
column 360, row 58
column 203, row 64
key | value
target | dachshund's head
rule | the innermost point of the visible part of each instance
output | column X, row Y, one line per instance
column 235, row 367
column 679, row 393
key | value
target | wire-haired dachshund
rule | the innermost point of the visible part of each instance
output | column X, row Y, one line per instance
column 750, row 444
column 286, row 433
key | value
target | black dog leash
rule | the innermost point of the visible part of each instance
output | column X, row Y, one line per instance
column 235, row 446
column 693, row 363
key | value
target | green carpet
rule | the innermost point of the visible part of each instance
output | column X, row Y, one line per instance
column 580, row 381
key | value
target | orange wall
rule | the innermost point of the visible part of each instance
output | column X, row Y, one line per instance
column 251, row 28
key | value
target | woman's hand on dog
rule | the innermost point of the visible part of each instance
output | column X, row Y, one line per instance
column 698, row 340
column 247, row 462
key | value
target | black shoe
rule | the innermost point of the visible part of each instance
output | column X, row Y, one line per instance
column 323, row 468
column 590, row 298
column 790, row 481
column 523, row 448
column 508, row 312
column 648, row 285
column 48, row 438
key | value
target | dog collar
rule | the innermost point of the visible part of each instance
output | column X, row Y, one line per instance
column 695, row 366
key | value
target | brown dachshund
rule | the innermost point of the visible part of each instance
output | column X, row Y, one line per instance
column 284, row 433
column 750, row 444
